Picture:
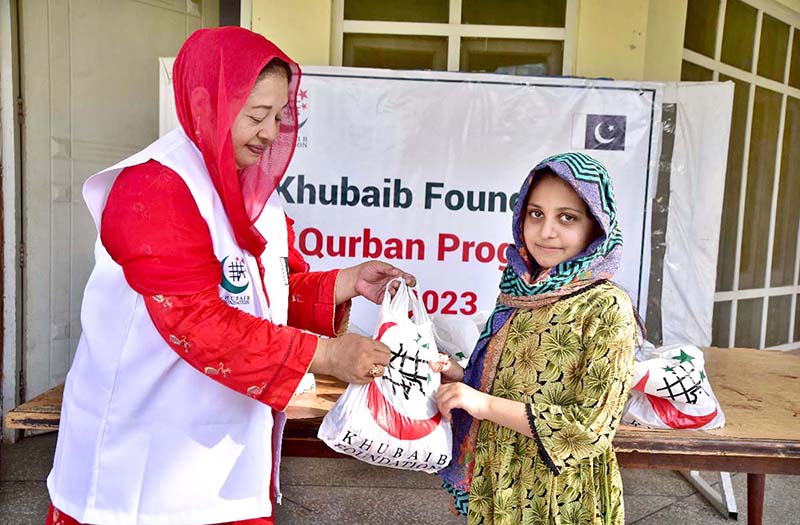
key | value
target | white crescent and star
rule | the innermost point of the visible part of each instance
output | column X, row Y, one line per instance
column 599, row 136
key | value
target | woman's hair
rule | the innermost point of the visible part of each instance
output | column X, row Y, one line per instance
column 540, row 175
column 275, row 66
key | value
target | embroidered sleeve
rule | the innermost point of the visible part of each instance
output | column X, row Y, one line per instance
column 245, row 353
column 152, row 227
column 567, row 432
column 311, row 295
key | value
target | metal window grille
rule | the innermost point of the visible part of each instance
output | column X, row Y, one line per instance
column 753, row 312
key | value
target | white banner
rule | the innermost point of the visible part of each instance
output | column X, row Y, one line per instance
column 421, row 169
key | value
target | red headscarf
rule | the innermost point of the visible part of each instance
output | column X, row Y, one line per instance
column 213, row 75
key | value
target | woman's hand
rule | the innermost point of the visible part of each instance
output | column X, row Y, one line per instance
column 459, row 395
column 447, row 366
column 351, row 358
column 369, row 280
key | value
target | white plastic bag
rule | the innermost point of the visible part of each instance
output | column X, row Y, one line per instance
column 456, row 335
column 307, row 384
column 393, row 421
column 671, row 390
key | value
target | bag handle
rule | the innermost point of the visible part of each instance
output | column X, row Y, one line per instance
column 406, row 298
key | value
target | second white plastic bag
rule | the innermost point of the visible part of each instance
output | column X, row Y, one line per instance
column 671, row 390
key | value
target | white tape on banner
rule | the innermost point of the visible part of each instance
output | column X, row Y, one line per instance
column 697, row 187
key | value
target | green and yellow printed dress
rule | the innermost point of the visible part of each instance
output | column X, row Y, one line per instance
column 572, row 361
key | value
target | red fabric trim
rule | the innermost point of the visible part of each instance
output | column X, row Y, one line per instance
column 151, row 226
column 249, row 355
column 339, row 317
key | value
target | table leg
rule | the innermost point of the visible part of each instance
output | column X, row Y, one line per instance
column 755, row 498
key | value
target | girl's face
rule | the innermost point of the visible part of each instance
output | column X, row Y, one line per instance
column 256, row 126
column 558, row 225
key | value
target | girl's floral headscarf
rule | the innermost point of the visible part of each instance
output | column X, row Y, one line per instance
column 522, row 286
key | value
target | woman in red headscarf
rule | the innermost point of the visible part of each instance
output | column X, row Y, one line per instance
column 199, row 318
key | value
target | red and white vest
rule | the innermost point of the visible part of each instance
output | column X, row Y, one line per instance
column 145, row 438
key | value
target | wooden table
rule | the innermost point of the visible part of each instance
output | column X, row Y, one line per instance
column 759, row 391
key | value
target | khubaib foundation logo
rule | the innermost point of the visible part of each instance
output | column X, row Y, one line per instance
column 235, row 281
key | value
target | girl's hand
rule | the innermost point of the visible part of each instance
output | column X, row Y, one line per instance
column 369, row 280
column 447, row 366
column 459, row 395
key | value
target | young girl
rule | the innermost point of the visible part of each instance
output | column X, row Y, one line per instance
column 545, row 386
